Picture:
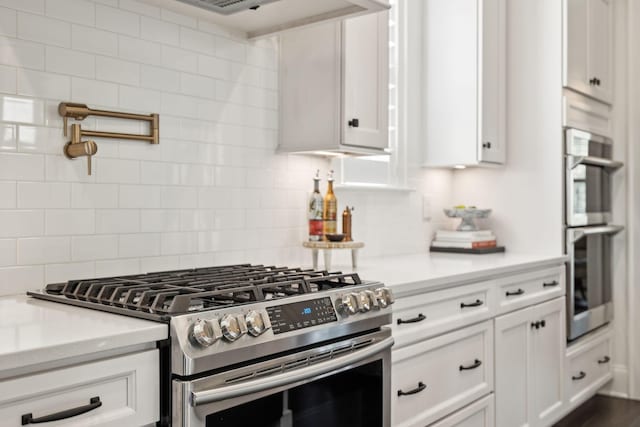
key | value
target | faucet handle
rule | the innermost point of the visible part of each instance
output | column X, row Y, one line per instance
column 83, row 148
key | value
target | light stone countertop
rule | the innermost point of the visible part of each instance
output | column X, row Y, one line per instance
column 33, row 332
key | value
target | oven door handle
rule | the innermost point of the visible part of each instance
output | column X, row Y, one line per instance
column 610, row 165
column 579, row 233
column 228, row 392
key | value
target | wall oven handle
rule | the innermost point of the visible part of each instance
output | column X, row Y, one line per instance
column 610, row 165
column 579, row 233
column 230, row 391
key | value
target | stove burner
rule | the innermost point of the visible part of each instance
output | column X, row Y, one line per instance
column 184, row 291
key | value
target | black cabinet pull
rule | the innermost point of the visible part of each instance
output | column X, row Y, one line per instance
column 604, row 360
column 94, row 403
column 593, row 81
column 417, row 319
column 514, row 293
column 549, row 284
column 478, row 303
column 475, row 365
column 580, row 376
column 597, row 82
column 354, row 123
column 535, row 325
column 421, row 386
column 486, row 145
column 543, row 323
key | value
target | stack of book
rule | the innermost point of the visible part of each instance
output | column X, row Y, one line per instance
column 465, row 241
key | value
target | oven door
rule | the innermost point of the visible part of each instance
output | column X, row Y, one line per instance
column 589, row 303
column 588, row 178
column 345, row 383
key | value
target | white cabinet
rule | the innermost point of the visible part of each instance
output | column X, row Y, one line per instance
column 478, row 414
column 529, row 361
column 121, row 391
column 588, row 47
column 334, row 87
column 581, row 112
column 433, row 378
column 464, row 82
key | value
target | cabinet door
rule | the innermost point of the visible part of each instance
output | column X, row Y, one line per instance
column 547, row 373
column 491, row 105
column 600, row 55
column 576, row 46
column 365, row 83
column 513, row 367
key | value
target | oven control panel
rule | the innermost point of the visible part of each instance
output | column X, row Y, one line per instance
column 299, row 315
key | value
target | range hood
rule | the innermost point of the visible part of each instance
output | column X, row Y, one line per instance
column 261, row 18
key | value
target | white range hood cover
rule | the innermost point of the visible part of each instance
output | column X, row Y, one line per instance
column 271, row 16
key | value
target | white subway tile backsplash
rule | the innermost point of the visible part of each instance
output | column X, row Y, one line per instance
column 8, row 137
column 139, row 99
column 117, row 20
column 214, row 67
column 58, row 273
column 117, row 267
column 89, row 248
column 92, row 40
column 139, row 245
column 59, row 168
column 68, row 222
column 36, row 139
column 159, row 78
column 140, row 197
column 18, row 280
column 79, row 11
column 197, row 41
column 179, row 197
column 8, row 22
column 156, row 30
column 14, row 166
column 7, row 252
column 230, row 49
column 179, row 243
column 85, row 90
column 44, row 85
column 117, row 70
column 159, row 220
column 33, row 195
column 7, row 195
column 117, row 171
column 34, row 6
column 177, row 18
column 117, row 221
column 178, row 105
column 179, row 59
column 44, row 30
column 43, row 250
column 65, row 61
column 133, row 49
column 21, row 53
column 94, row 195
column 21, row 223
column 140, row 8
column 191, row 84
column 159, row 263
column 8, row 79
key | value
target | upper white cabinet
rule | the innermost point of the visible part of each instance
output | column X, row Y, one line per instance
column 334, row 87
column 464, row 82
column 588, row 48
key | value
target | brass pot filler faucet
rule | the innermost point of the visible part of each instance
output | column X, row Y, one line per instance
column 77, row 147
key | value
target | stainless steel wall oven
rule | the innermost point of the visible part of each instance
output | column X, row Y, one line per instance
column 588, row 188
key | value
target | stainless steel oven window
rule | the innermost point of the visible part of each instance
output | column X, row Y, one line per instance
column 589, row 296
column 356, row 369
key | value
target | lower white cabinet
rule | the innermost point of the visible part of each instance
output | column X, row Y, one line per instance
column 530, row 351
column 436, row 377
column 478, row 414
column 120, row 391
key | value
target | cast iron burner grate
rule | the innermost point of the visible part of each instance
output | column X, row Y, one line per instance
column 192, row 290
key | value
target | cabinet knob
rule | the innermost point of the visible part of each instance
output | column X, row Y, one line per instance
column 598, row 82
column 486, row 145
column 354, row 123
column 594, row 81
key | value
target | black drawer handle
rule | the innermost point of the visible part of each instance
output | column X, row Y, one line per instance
column 535, row 325
column 421, row 387
column 580, row 376
column 478, row 303
column 475, row 365
column 94, row 403
column 604, row 360
column 514, row 293
column 549, row 284
column 417, row 319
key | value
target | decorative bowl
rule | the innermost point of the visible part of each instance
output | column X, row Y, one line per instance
column 467, row 214
column 335, row 237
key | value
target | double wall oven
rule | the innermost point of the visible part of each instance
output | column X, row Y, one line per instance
column 589, row 167
column 259, row 345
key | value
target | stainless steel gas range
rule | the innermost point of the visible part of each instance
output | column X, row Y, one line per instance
column 258, row 345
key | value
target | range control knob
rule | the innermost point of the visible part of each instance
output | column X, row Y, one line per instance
column 385, row 297
column 255, row 323
column 233, row 327
column 348, row 304
column 364, row 303
column 203, row 333
column 373, row 300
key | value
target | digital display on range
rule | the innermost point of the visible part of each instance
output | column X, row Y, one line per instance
column 299, row 315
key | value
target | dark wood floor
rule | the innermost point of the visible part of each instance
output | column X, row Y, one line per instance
column 602, row 411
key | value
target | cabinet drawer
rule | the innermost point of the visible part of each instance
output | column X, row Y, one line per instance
column 127, row 388
column 523, row 290
column 478, row 414
column 589, row 368
column 587, row 114
column 418, row 317
column 441, row 375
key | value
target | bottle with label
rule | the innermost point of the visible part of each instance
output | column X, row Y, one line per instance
column 330, row 207
column 315, row 211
